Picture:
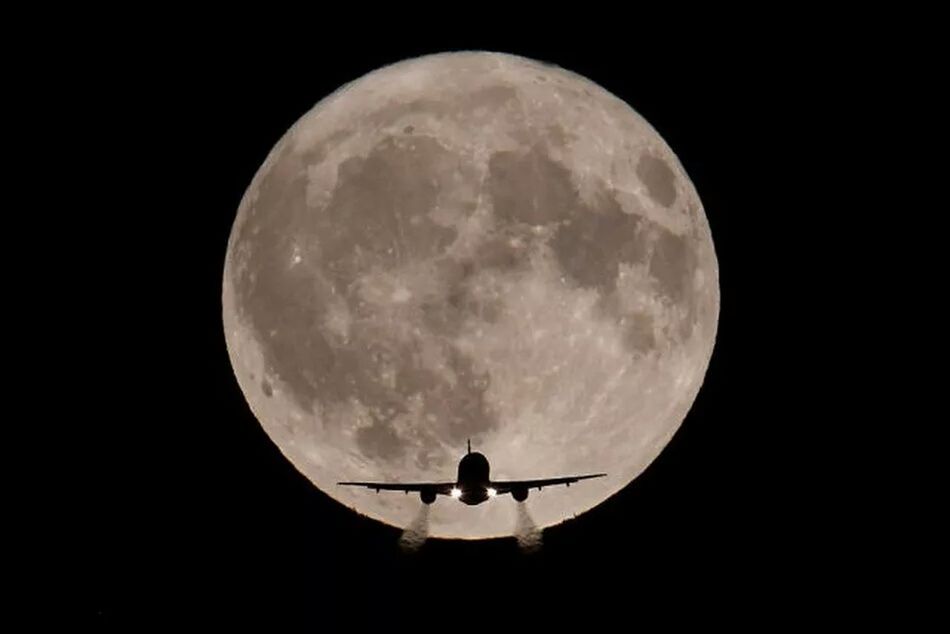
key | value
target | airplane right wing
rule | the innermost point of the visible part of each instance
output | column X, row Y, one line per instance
column 440, row 488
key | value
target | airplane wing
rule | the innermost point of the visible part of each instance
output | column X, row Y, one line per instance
column 441, row 488
column 506, row 486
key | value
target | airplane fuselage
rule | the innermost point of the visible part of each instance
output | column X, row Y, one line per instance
column 473, row 479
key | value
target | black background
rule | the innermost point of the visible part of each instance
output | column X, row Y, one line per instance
column 183, row 509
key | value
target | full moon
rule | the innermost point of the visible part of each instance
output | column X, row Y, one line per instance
column 470, row 245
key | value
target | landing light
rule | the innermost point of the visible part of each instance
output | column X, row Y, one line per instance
column 492, row 492
column 456, row 492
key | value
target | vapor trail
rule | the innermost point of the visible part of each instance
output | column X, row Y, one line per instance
column 415, row 535
column 526, row 531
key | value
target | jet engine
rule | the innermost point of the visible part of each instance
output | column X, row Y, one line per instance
column 520, row 493
column 428, row 497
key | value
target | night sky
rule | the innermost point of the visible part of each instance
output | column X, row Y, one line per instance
column 191, row 513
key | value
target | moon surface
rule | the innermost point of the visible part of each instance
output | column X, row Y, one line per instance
column 470, row 245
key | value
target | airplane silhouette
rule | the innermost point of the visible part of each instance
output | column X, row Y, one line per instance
column 472, row 486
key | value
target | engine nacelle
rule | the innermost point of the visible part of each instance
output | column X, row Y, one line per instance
column 428, row 497
column 520, row 494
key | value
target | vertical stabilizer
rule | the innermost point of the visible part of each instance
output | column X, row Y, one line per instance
column 469, row 445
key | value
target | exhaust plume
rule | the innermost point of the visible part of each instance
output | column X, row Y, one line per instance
column 415, row 535
column 526, row 531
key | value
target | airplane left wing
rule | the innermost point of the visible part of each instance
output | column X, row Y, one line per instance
column 440, row 488
column 507, row 486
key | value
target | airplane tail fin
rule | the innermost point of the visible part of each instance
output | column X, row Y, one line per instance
column 469, row 445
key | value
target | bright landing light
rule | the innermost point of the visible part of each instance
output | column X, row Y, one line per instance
column 456, row 492
column 492, row 492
